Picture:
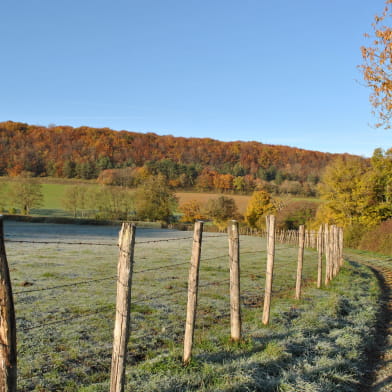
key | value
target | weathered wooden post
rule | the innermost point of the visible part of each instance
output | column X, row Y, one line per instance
column 8, row 369
column 270, row 267
column 336, row 251
column 301, row 245
column 320, row 257
column 332, row 250
column 234, row 261
column 193, row 286
column 123, row 306
column 327, row 254
column 341, row 244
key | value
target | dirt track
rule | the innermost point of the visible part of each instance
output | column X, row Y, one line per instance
column 380, row 360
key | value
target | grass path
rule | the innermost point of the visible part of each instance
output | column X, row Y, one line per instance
column 381, row 379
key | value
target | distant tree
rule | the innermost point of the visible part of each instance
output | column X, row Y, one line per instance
column 357, row 191
column 191, row 211
column 86, row 170
column 346, row 187
column 291, row 187
column 205, row 180
column 294, row 214
column 381, row 162
column 155, row 200
column 111, row 202
column 69, row 169
column 377, row 66
column 3, row 196
column 239, row 184
column 26, row 193
column 222, row 209
column 75, row 199
column 260, row 205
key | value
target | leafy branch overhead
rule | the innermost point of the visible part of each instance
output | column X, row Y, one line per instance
column 377, row 66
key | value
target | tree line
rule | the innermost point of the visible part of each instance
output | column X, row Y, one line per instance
column 356, row 194
column 115, row 157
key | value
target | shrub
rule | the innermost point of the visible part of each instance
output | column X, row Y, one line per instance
column 378, row 239
column 220, row 210
column 294, row 214
column 353, row 235
column 260, row 205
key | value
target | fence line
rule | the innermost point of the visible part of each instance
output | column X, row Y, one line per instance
column 331, row 248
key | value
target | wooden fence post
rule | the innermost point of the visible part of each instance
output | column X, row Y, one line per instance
column 336, row 251
column 234, row 261
column 123, row 306
column 301, row 245
column 341, row 244
column 270, row 267
column 327, row 254
column 332, row 251
column 320, row 257
column 193, row 285
column 8, row 369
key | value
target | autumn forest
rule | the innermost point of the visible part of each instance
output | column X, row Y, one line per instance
column 207, row 164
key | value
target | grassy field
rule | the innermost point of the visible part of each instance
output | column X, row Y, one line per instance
column 65, row 295
column 54, row 191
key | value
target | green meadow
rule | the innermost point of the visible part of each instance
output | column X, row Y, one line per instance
column 54, row 191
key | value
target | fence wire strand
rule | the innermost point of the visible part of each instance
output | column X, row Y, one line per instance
column 64, row 285
column 62, row 321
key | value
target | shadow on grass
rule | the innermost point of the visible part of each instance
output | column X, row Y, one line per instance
column 375, row 354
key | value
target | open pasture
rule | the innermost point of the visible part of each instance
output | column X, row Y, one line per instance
column 64, row 283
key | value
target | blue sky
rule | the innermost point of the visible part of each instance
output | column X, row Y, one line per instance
column 277, row 71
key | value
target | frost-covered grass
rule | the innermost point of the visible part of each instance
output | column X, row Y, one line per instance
column 316, row 344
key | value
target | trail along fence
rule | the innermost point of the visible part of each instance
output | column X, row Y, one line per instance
column 328, row 240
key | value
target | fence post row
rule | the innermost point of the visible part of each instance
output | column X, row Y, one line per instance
column 8, row 369
column 301, row 246
column 193, row 285
column 270, row 267
column 123, row 308
column 234, row 262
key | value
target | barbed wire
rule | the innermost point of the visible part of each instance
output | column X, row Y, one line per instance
column 114, row 245
column 92, row 243
column 158, row 296
column 161, row 267
column 215, row 283
column 64, row 285
column 59, row 242
column 135, row 272
column 106, row 244
column 91, row 313
column 182, row 290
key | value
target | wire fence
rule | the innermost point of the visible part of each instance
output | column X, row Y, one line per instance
column 81, row 304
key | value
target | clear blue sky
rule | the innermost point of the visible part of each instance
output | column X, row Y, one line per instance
column 276, row 71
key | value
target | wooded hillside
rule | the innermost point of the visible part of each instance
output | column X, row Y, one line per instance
column 84, row 152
